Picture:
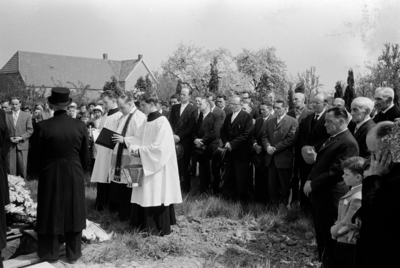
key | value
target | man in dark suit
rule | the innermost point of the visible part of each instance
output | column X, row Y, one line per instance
column 20, row 128
column 58, row 157
column 183, row 121
column 384, row 97
column 4, row 192
column 214, row 109
column 361, row 108
column 312, row 132
column 206, row 140
column 325, row 184
column 261, row 171
column 235, row 135
column 221, row 103
column 254, row 108
column 278, row 139
column 300, row 112
column 378, row 244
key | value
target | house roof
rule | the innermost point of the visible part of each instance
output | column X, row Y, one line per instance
column 48, row 70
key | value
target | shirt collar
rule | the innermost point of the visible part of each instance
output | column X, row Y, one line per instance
column 361, row 123
column 354, row 187
column 320, row 113
column 236, row 113
column 339, row 133
column 388, row 108
column 280, row 118
column 205, row 115
column 184, row 105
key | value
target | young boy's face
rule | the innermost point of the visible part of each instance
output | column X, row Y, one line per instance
column 350, row 178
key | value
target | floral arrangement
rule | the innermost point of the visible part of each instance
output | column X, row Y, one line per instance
column 393, row 140
column 21, row 207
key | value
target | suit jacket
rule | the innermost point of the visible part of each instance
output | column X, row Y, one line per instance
column 302, row 116
column 258, row 130
column 219, row 112
column 208, row 129
column 390, row 115
column 23, row 128
column 361, row 136
column 58, row 157
column 4, row 191
column 227, row 110
column 183, row 125
column 380, row 234
column 313, row 136
column 255, row 111
column 237, row 134
column 326, row 176
column 282, row 136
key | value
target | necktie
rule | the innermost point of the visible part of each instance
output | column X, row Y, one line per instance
column 314, row 121
column 15, row 117
column 327, row 141
column 355, row 130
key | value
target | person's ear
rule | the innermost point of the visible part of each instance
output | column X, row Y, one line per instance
column 359, row 177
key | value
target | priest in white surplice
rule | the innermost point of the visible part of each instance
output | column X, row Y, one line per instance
column 102, row 165
column 152, row 201
column 120, row 175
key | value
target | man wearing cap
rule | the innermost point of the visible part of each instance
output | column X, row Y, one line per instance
column 20, row 128
column 58, row 157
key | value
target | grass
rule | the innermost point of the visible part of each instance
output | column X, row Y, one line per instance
column 128, row 245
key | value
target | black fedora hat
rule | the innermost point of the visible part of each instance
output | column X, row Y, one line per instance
column 60, row 96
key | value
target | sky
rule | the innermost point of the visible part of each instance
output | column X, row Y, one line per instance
column 331, row 35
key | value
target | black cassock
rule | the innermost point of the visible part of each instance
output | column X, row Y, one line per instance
column 58, row 157
column 4, row 194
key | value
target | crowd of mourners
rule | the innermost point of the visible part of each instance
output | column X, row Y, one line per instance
column 337, row 161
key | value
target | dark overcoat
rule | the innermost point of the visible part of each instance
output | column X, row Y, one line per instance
column 59, row 156
column 390, row 115
column 208, row 129
column 378, row 245
column 4, row 193
column 183, row 124
column 237, row 133
column 326, row 176
column 361, row 136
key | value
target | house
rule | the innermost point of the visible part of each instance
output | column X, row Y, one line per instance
column 39, row 70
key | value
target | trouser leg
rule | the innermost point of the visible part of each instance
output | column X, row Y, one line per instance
column 1, row 260
column 48, row 247
column 242, row 181
column 103, row 196
column 73, row 245
column 204, row 173
column 22, row 159
column 230, row 179
column 216, row 174
column 284, row 175
column 273, row 183
column 261, row 185
column 323, row 221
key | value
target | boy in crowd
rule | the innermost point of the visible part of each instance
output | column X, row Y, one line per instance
column 343, row 230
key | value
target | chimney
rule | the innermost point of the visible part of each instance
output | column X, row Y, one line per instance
column 140, row 56
column 105, row 56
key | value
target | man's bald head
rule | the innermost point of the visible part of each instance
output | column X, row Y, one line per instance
column 319, row 103
column 246, row 107
column 338, row 102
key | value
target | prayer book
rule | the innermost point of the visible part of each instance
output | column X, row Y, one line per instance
column 104, row 138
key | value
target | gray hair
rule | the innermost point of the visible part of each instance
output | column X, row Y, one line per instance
column 387, row 92
column 299, row 94
column 365, row 103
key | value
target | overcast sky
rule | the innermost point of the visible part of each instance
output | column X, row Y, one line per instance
column 331, row 35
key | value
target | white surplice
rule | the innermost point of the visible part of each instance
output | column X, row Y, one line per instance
column 157, row 152
column 102, row 165
column 137, row 120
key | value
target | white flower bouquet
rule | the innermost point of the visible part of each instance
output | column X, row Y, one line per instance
column 21, row 207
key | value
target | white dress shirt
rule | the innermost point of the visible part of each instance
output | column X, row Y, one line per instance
column 234, row 114
column 279, row 119
column 388, row 108
column 361, row 123
column 183, row 106
column 15, row 116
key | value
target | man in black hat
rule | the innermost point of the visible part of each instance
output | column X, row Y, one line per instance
column 59, row 156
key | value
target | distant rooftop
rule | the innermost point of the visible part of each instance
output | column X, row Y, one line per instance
column 49, row 70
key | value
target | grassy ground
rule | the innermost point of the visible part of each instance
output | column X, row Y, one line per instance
column 211, row 232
